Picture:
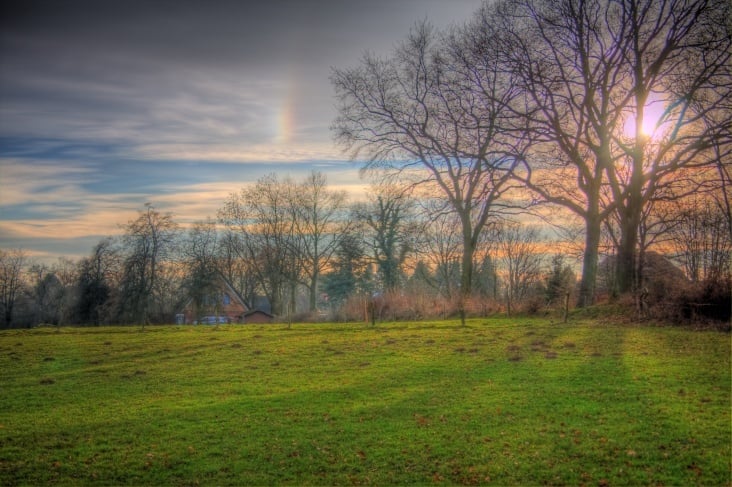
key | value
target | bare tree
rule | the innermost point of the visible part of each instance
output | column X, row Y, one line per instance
column 66, row 271
column 236, row 269
column 585, row 67
column 148, row 240
column 435, row 112
column 262, row 218
column 522, row 263
column 96, row 282
column 677, row 56
column 700, row 239
column 168, row 292
column 442, row 246
column 320, row 223
column 724, row 182
column 12, row 264
column 388, row 218
column 199, row 250
column 47, row 294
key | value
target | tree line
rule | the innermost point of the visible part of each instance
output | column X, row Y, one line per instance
column 314, row 255
column 302, row 246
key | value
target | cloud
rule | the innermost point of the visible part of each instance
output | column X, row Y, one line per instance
column 40, row 200
column 195, row 202
column 30, row 182
column 156, row 73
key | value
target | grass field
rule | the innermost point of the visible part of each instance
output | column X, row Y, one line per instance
column 497, row 401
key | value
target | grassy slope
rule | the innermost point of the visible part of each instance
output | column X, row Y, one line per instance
column 497, row 401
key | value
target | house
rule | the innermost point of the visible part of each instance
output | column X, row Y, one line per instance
column 222, row 305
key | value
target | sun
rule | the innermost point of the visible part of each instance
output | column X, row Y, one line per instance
column 653, row 119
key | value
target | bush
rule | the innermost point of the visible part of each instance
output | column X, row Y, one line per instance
column 704, row 302
column 411, row 306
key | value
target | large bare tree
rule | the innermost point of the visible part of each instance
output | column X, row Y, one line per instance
column 434, row 111
column 677, row 56
column 585, row 67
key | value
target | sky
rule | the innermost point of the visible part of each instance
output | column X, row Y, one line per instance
column 106, row 105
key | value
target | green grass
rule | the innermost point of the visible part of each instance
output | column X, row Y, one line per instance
column 498, row 401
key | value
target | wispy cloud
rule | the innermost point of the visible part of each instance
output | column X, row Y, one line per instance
column 40, row 201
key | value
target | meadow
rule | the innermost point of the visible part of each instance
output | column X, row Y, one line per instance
column 498, row 401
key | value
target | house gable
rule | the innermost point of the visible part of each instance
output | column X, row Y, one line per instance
column 225, row 305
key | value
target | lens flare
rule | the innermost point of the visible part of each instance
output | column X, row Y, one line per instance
column 652, row 123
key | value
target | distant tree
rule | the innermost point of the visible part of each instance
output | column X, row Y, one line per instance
column 320, row 222
column 148, row 241
column 48, row 294
column 723, row 185
column 12, row 266
column 96, row 284
column 441, row 240
column 521, row 261
column 66, row 271
column 261, row 216
column 422, row 281
column 349, row 264
column 168, row 292
column 700, row 239
column 235, row 268
column 199, row 251
column 486, row 282
column 560, row 280
column 388, row 221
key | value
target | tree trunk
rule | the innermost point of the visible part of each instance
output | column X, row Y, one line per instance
column 275, row 302
column 314, row 289
column 589, row 261
column 466, row 272
column 293, row 297
column 466, row 269
column 626, row 265
column 630, row 218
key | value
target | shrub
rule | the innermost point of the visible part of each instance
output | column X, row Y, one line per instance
column 704, row 302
